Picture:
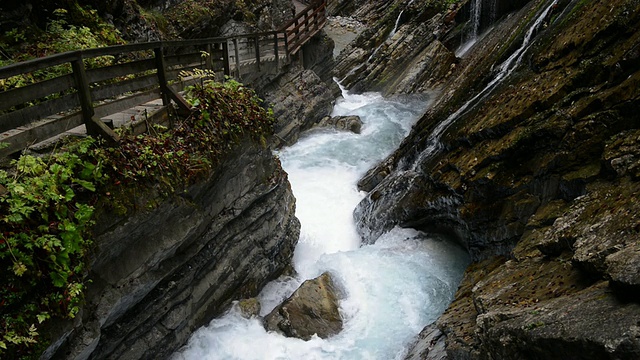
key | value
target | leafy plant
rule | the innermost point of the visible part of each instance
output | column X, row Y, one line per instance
column 46, row 218
column 223, row 113
column 59, row 36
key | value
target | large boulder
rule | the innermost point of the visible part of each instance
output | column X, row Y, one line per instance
column 311, row 310
column 351, row 123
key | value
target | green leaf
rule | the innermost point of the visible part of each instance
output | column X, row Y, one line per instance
column 42, row 317
column 59, row 279
column 85, row 184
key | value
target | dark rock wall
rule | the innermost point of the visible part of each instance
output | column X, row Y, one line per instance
column 162, row 273
column 400, row 50
column 539, row 180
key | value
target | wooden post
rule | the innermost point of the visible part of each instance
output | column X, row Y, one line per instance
column 225, row 51
column 165, row 91
column 275, row 50
column 237, row 54
column 95, row 126
column 162, row 75
column 257, row 42
column 209, row 59
column 286, row 46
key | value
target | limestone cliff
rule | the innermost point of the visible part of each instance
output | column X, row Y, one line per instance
column 160, row 274
column 538, row 178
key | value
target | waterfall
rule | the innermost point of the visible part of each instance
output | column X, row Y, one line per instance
column 504, row 70
column 395, row 27
column 471, row 36
column 476, row 15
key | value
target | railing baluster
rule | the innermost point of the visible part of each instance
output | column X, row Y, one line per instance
column 94, row 125
column 275, row 50
column 162, row 75
column 209, row 59
column 257, row 45
column 225, row 51
column 237, row 53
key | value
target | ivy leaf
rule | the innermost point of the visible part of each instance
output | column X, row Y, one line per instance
column 58, row 279
column 85, row 184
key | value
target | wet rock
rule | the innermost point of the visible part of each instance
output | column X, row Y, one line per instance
column 622, row 154
column 396, row 54
column 300, row 99
column 317, row 56
column 249, row 307
column 312, row 309
column 559, row 329
column 624, row 272
column 351, row 123
column 430, row 345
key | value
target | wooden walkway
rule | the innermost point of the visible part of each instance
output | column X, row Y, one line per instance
column 140, row 80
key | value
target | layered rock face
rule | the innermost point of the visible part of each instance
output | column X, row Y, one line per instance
column 399, row 51
column 300, row 100
column 163, row 273
column 539, row 180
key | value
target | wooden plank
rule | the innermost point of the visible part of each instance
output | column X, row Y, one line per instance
column 35, row 91
column 45, row 129
column 184, row 59
column 126, row 103
column 132, row 85
column 110, row 72
column 119, row 49
column 30, row 114
column 37, row 64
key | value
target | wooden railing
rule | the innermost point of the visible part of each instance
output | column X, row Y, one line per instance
column 306, row 24
column 98, row 82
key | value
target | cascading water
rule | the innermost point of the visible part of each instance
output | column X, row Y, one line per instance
column 504, row 70
column 395, row 26
column 392, row 289
column 477, row 11
column 471, row 36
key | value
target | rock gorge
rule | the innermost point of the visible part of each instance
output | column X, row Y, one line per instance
column 537, row 179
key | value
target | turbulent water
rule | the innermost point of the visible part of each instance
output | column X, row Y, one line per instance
column 390, row 290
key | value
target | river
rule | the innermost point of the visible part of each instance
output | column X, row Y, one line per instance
column 390, row 290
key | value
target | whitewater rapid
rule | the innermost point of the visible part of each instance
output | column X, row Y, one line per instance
column 389, row 290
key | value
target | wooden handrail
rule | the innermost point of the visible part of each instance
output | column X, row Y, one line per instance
column 82, row 87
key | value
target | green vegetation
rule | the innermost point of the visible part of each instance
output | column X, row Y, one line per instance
column 46, row 216
column 48, row 204
column 60, row 35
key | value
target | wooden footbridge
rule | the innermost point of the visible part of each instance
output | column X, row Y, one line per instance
column 136, row 74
